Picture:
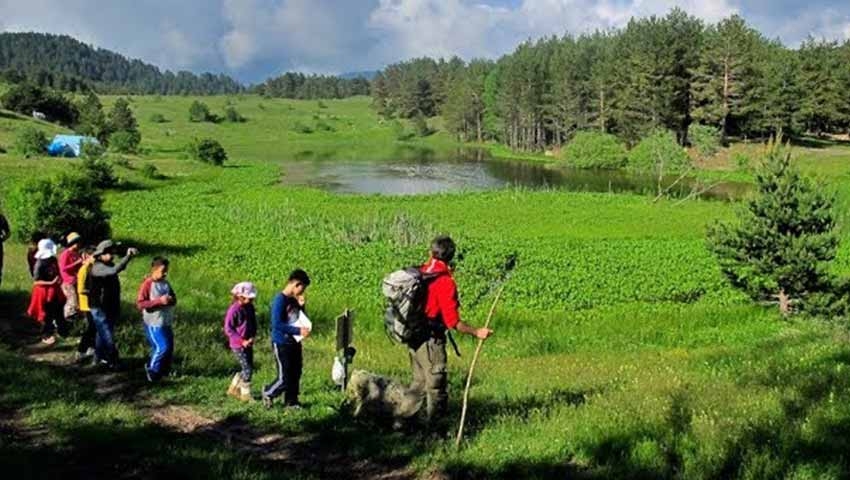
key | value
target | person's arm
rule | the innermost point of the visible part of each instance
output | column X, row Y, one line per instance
column 66, row 267
column 172, row 297
column 102, row 270
column 143, row 298
column 451, row 316
column 279, row 316
column 229, row 321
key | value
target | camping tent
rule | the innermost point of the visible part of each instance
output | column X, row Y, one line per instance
column 68, row 145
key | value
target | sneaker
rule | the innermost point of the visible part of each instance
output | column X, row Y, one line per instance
column 267, row 401
column 49, row 340
column 294, row 406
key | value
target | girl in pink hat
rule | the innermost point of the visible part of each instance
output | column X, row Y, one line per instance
column 240, row 327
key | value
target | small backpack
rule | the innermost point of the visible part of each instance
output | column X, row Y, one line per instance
column 406, row 291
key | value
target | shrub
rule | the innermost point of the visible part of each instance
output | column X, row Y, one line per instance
column 209, row 151
column 57, row 206
column 99, row 172
column 300, row 127
column 124, row 141
column 399, row 132
column 322, row 126
column 741, row 161
column 31, row 141
column 122, row 162
column 659, row 153
column 150, row 171
column 705, row 139
column 158, row 118
column 321, row 104
column 91, row 149
column 595, row 150
column 231, row 115
column 420, row 126
column 199, row 112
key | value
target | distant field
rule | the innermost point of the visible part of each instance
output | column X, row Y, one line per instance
column 620, row 350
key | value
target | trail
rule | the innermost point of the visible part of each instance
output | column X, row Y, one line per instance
column 301, row 454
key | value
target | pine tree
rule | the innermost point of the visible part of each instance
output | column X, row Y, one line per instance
column 823, row 104
column 92, row 120
column 783, row 239
column 121, row 117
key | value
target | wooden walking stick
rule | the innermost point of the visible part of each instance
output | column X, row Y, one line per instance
column 472, row 368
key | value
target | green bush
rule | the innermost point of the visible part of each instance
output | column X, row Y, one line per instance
column 199, row 112
column 322, row 126
column 99, row 172
column 300, row 127
column 90, row 149
column 57, row 206
column 705, row 139
column 158, row 118
column 420, row 126
column 31, row 141
column 595, row 150
column 399, row 132
column 209, row 151
column 231, row 115
column 122, row 162
column 124, row 141
column 659, row 153
column 150, row 171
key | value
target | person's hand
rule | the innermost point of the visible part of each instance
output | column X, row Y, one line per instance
column 132, row 252
column 165, row 299
column 247, row 343
column 301, row 300
column 305, row 332
column 482, row 333
column 88, row 261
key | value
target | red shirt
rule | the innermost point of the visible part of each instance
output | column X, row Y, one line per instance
column 69, row 265
column 442, row 303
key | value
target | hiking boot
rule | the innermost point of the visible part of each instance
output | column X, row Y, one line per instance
column 233, row 389
column 245, row 392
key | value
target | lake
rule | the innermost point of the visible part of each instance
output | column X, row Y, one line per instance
column 419, row 171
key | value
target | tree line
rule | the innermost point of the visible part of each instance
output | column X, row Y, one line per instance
column 311, row 87
column 657, row 72
column 66, row 64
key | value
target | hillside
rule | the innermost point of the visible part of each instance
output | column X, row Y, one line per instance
column 75, row 66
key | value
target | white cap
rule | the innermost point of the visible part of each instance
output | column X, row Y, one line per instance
column 244, row 289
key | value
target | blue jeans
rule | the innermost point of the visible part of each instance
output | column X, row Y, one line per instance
column 104, row 343
column 161, row 340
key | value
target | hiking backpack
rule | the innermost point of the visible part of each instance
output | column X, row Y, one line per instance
column 406, row 291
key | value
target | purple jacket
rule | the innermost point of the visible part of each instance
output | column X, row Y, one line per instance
column 240, row 323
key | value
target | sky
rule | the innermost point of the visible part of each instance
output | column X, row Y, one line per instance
column 254, row 39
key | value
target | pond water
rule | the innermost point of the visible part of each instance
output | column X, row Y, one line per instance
column 415, row 171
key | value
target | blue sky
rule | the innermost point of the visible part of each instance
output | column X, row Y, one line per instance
column 252, row 39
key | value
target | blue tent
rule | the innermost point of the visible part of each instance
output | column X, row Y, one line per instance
column 68, row 145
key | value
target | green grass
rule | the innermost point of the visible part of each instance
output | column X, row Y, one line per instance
column 620, row 350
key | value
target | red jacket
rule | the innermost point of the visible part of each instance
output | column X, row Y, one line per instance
column 442, row 303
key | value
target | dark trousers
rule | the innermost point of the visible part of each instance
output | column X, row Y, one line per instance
column 245, row 357
column 54, row 322
column 88, row 336
column 290, row 361
column 430, row 376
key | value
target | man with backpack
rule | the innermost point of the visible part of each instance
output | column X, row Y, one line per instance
column 423, row 308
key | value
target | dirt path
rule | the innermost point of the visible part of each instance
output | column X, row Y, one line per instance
column 300, row 453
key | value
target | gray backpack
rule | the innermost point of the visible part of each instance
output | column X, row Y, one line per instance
column 406, row 291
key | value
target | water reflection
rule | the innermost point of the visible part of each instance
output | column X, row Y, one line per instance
column 416, row 170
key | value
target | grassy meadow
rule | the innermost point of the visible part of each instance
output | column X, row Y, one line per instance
column 620, row 351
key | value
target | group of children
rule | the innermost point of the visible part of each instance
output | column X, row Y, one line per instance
column 83, row 284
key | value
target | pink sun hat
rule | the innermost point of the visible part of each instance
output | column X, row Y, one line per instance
column 244, row 289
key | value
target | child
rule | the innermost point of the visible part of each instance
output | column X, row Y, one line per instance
column 286, row 306
column 46, row 301
column 69, row 265
column 85, row 349
column 156, row 301
column 240, row 327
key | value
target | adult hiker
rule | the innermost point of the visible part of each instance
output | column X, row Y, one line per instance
column 46, row 300
column 105, row 299
column 85, row 348
column 428, row 358
column 4, row 235
column 70, row 262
